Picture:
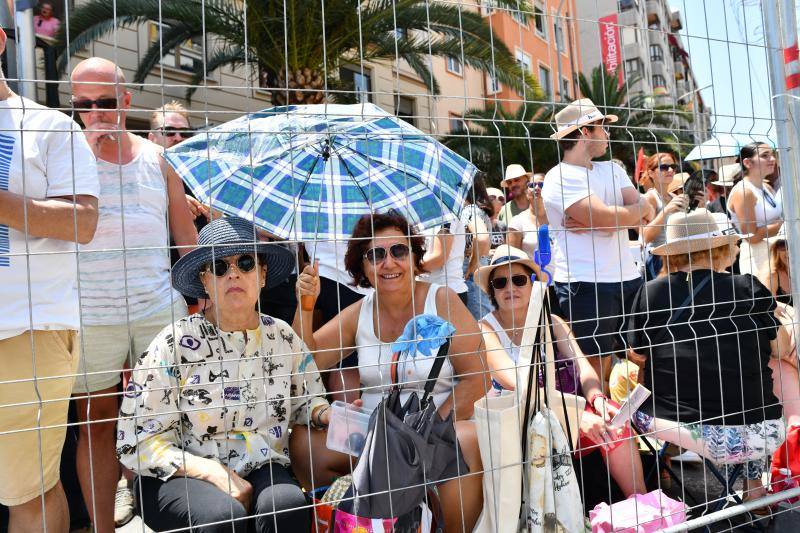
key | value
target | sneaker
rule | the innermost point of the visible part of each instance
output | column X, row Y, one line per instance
column 123, row 503
column 688, row 457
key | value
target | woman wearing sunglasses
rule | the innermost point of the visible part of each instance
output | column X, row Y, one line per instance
column 385, row 253
column 508, row 281
column 755, row 208
column 205, row 418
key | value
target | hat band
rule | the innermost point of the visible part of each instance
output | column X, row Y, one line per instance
column 708, row 235
column 506, row 258
column 580, row 120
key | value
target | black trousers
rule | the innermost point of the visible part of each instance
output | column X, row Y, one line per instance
column 278, row 504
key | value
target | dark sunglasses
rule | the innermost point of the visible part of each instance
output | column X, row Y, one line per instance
column 667, row 166
column 84, row 105
column 378, row 254
column 519, row 280
column 535, row 184
column 169, row 131
column 245, row 263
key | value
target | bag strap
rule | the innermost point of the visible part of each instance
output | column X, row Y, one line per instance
column 682, row 308
column 433, row 375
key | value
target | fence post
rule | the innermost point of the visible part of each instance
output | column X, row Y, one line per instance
column 784, row 68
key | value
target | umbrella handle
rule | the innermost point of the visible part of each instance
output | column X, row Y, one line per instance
column 307, row 302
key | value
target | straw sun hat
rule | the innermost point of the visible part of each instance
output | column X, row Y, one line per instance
column 677, row 181
column 577, row 114
column 513, row 171
column 226, row 237
column 503, row 255
column 727, row 174
column 694, row 232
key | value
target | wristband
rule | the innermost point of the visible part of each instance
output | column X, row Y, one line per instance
column 316, row 420
column 594, row 397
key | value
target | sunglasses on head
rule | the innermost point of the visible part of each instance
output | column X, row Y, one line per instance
column 499, row 283
column 378, row 254
column 245, row 263
column 663, row 167
column 84, row 105
column 169, row 131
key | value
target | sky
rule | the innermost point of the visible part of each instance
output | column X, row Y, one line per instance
column 726, row 46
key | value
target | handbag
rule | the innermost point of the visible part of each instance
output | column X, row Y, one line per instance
column 499, row 422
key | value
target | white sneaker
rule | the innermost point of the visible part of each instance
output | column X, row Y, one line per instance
column 123, row 503
column 688, row 457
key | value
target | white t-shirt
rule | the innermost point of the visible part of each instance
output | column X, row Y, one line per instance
column 525, row 224
column 591, row 256
column 451, row 274
column 330, row 255
column 125, row 270
column 43, row 154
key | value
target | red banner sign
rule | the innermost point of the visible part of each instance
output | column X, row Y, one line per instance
column 611, row 45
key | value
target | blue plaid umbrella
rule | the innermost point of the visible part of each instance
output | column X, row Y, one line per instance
column 309, row 172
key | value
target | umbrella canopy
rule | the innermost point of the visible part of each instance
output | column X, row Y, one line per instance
column 725, row 145
column 310, row 172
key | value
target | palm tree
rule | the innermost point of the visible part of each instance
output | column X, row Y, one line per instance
column 494, row 138
column 299, row 45
column 640, row 125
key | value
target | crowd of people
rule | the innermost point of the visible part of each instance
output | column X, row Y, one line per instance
column 203, row 389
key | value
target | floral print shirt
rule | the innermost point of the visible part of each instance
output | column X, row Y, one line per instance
column 231, row 397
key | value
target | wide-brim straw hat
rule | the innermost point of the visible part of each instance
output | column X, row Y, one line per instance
column 504, row 255
column 494, row 191
column 513, row 171
column 727, row 175
column 677, row 181
column 694, row 232
column 226, row 237
column 578, row 114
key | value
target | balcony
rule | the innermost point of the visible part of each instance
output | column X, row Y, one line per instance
column 680, row 70
column 655, row 13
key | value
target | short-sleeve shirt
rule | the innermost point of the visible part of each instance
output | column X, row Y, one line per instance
column 711, row 364
column 509, row 211
column 43, row 154
column 589, row 256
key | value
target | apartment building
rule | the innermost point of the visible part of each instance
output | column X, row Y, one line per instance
column 545, row 45
column 642, row 37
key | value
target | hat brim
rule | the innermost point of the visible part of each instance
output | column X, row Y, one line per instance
column 566, row 131
column 686, row 246
column 505, row 180
column 723, row 183
column 186, row 272
column 483, row 274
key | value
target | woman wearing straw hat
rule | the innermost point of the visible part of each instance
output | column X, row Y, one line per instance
column 508, row 281
column 205, row 418
column 706, row 337
column 754, row 206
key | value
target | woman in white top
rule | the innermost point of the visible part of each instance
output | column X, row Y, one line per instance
column 523, row 230
column 385, row 253
column 754, row 207
column 443, row 262
column 507, row 280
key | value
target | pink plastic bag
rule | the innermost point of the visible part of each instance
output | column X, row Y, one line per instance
column 348, row 523
column 642, row 513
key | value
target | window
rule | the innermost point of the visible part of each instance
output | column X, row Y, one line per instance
column 565, row 89
column 519, row 17
column 362, row 83
column 187, row 57
column 539, row 20
column 544, row 80
column 558, row 32
column 404, row 108
column 457, row 123
column 524, row 61
column 454, row 65
column 487, row 7
column 656, row 53
column 625, row 5
column 632, row 66
column 659, row 81
column 492, row 85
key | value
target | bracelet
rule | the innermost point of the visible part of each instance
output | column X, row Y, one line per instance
column 595, row 396
column 318, row 422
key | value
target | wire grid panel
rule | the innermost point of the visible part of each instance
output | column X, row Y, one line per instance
column 400, row 160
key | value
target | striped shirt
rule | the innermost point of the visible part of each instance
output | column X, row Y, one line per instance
column 125, row 270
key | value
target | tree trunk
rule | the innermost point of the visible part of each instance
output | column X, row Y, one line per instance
column 305, row 86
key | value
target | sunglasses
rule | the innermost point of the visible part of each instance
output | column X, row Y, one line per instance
column 84, row 105
column 170, row 131
column 667, row 166
column 378, row 254
column 245, row 263
column 519, row 280
column 535, row 184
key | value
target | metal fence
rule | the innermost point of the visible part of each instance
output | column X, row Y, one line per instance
column 605, row 191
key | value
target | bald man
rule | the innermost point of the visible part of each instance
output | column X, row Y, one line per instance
column 126, row 294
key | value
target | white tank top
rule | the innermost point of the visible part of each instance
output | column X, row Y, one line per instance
column 375, row 361
column 511, row 349
column 125, row 269
column 768, row 208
